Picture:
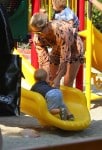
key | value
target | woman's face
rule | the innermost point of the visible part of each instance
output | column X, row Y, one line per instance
column 35, row 30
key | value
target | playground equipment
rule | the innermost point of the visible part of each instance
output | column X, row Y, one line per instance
column 73, row 97
column 96, row 47
column 93, row 52
column 34, row 104
column 95, row 62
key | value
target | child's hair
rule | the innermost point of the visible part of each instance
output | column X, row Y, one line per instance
column 38, row 20
column 60, row 4
column 40, row 75
column 42, row 10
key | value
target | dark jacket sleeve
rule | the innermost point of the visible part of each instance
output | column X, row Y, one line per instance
column 6, row 39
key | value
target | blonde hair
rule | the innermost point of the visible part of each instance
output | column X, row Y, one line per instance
column 38, row 20
column 59, row 4
column 40, row 75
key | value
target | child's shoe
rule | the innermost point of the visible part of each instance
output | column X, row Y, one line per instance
column 63, row 114
column 70, row 117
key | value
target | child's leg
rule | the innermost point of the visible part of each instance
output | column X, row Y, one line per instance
column 55, row 111
column 65, row 113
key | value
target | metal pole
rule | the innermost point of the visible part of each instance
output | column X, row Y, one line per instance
column 34, row 57
column 88, row 54
column 50, row 9
column 80, row 13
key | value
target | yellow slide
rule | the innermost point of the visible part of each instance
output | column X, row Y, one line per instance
column 96, row 49
column 96, row 58
column 34, row 104
column 27, row 69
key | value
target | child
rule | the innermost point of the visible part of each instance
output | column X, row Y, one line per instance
column 52, row 95
column 66, row 14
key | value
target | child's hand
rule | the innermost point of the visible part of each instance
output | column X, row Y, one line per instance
column 71, row 23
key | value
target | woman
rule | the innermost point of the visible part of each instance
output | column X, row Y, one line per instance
column 56, row 35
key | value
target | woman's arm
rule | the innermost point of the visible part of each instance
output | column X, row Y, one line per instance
column 97, row 4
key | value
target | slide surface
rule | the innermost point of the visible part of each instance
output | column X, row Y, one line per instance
column 27, row 69
column 96, row 49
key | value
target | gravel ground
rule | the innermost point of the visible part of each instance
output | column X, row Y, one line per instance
column 16, row 129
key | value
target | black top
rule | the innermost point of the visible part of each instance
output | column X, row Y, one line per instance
column 41, row 87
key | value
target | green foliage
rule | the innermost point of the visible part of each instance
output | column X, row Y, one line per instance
column 97, row 17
